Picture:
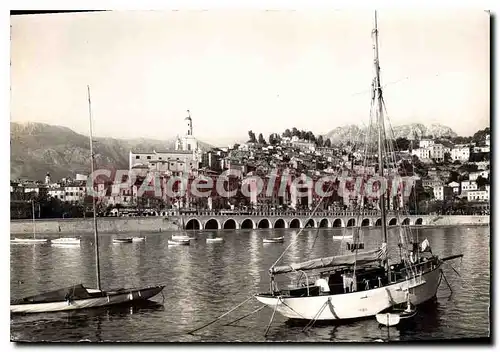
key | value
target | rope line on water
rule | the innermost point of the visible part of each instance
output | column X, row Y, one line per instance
column 246, row 315
column 220, row 316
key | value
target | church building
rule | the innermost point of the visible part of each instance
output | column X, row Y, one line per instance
column 185, row 158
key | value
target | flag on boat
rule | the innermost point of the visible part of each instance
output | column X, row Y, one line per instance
column 425, row 246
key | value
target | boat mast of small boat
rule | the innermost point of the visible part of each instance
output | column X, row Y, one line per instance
column 34, row 223
column 96, row 237
column 381, row 130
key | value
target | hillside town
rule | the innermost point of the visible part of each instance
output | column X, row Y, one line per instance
column 451, row 175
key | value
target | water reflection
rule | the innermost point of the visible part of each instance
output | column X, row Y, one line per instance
column 205, row 280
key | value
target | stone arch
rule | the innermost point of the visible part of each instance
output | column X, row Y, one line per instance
column 264, row 224
column 365, row 222
column 351, row 222
column 393, row 222
column 310, row 223
column 247, row 224
column 193, row 224
column 295, row 224
column 212, row 224
column 324, row 223
column 406, row 221
column 338, row 223
column 378, row 222
column 230, row 224
column 280, row 224
column 419, row 221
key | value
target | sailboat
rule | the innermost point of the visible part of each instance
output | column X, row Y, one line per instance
column 183, row 237
column 33, row 240
column 77, row 296
column 360, row 283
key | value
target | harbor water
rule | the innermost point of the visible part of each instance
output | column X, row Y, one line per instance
column 204, row 280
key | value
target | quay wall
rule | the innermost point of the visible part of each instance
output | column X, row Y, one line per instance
column 161, row 224
column 104, row 225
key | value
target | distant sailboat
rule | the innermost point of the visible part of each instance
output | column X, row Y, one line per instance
column 33, row 240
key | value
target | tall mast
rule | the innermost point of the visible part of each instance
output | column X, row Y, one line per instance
column 96, row 237
column 380, row 124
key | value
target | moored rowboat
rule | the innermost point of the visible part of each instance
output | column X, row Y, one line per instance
column 67, row 240
column 178, row 242
column 215, row 239
column 122, row 240
column 29, row 240
column 274, row 240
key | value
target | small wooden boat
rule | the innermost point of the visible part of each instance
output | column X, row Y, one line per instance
column 122, row 240
column 394, row 316
column 66, row 241
column 33, row 240
column 28, row 240
column 138, row 239
column 182, row 237
column 178, row 242
column 79, row 297
column 340, row 238
column 274, row 240
column 214, row 239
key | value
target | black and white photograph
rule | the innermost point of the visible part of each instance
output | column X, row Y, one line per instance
column 245, row 175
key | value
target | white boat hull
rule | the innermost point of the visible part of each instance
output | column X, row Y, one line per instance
column 388, row 319
column 181, row 238
column 219, row 239
column 111, row 299
column 138, row 239
column 354, row 305
column 68, row 240
column 178, row 242
column 339, row 238
column 29, row 240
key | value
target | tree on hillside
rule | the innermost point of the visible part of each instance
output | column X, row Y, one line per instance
column 287, row 133
column 447, row 158
column 251, row 136
column 319, row 141
column 480, row 136
column 295, row 132
column 261, row 139
column 328, row 143
column 402, row 143
column 481, row 181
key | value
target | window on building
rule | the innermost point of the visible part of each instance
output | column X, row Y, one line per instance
column 149, row 157
column 137, row 157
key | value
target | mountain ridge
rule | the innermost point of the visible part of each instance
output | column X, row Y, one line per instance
column 38, row 148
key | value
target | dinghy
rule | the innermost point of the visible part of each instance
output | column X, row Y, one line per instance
column 122, row 240
column 66, row 241
column 178, row 242
column 395, row 316
column 138, row 239
column 181, row 237
column 215, row 239
column 33, row 240
column 340, row 238
column 274, row 240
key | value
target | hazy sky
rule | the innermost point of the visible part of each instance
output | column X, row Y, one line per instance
column 242, row 70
